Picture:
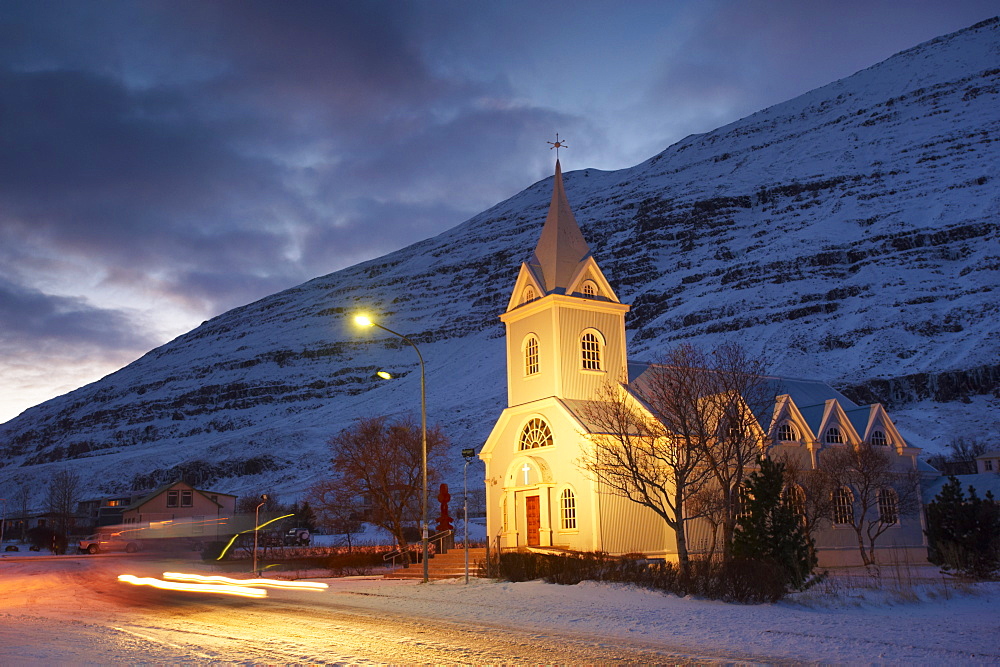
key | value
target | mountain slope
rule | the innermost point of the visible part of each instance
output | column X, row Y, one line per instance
column 850, row 234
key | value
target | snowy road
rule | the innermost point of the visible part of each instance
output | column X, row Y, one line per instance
column 73, row 609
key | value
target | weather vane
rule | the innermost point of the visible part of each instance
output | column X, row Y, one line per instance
column 556, row 145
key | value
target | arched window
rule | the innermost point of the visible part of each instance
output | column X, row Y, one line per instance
column 528, row 294
column 531, row 355
column 878, row 439
column 590, row 351
column 834, row 436
column 567, row 510
column 589, row 289
column 536, row 433
column 743, row 498
column 786, row 433
column 888, row 508
column 843, row 506
column 796, row 497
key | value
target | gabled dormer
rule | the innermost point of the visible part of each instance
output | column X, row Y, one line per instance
column 874, row 426
column 835, row 428
column 565, row 324
column 788, row 426
column 590, row 283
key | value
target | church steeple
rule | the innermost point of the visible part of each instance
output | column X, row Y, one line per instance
column 561, row 249
column 565, row 325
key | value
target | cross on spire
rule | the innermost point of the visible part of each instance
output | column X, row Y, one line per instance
column 557, row 145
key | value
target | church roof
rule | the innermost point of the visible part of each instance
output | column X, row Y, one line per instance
column 561, row 248
column 809, row 396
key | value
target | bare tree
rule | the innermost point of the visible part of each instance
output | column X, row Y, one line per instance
column 736, row 395
column 337, row 510
column 248, row 502
column 380, row 460
column 810, row 492
column 647, row 445
column 880, row 492
column 962, row 458
column 61, row 499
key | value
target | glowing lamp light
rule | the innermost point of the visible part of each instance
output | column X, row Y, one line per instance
column 221, row 589
column 362, row 320
column 385, row 375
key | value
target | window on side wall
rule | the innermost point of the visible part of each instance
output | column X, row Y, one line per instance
column 843, row 506
column 172, row 498
column 834, row 436
column 795, row 496
column 567, row 510
column 888, row 507
column 187, row 498
column 878, row 439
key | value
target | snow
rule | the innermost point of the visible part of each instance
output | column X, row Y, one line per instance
column 924, row 620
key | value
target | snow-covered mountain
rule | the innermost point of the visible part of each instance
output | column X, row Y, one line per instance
column 850, row 234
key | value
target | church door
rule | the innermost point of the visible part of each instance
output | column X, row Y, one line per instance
column 534, row 518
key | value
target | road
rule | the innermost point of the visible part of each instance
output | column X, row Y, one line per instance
column 73, row 610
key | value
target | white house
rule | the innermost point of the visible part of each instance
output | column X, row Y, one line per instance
column 565, row 333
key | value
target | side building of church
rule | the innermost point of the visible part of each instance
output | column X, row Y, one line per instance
column 566, row 342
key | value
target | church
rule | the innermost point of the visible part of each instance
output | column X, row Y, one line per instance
column 565, row 343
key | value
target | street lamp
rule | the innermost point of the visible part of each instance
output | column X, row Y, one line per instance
column 469, row 454
column 364, row 321
column 256, row 527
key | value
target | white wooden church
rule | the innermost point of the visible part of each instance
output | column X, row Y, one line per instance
column 565, row 332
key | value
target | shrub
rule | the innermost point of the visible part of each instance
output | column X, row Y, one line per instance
column 353, row 563
column 44, row 537
column 964, row 534
column 745, row 581
column 770, row 532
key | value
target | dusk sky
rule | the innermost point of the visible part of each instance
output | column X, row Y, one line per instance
column 163, row 162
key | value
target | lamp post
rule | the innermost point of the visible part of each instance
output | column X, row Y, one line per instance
column 366, row 322
column 469, row 454
column 256, row 527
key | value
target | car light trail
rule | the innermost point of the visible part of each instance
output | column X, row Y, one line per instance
column 266, row 583
column 223, row 589
column 250, row 530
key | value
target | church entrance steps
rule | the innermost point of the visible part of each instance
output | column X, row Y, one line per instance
column 442, row 566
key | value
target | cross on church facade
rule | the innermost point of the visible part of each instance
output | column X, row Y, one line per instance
column 526, row 469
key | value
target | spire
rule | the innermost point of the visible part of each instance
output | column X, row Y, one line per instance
column 561, row 248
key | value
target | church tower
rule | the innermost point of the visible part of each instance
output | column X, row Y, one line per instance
column 565, row 325
column 565, row 342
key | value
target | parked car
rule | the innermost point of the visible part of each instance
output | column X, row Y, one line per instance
column 108, row 542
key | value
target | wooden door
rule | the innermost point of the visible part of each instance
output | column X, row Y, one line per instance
column 534, row 519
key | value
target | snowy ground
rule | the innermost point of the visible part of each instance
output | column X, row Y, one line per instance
column 72, row 609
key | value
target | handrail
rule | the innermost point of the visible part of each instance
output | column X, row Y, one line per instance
column 392, row 555
column 439, row 537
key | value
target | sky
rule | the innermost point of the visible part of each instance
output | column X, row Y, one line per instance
column 163, row 162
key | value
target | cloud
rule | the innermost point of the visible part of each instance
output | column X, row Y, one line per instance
column 30, row 315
